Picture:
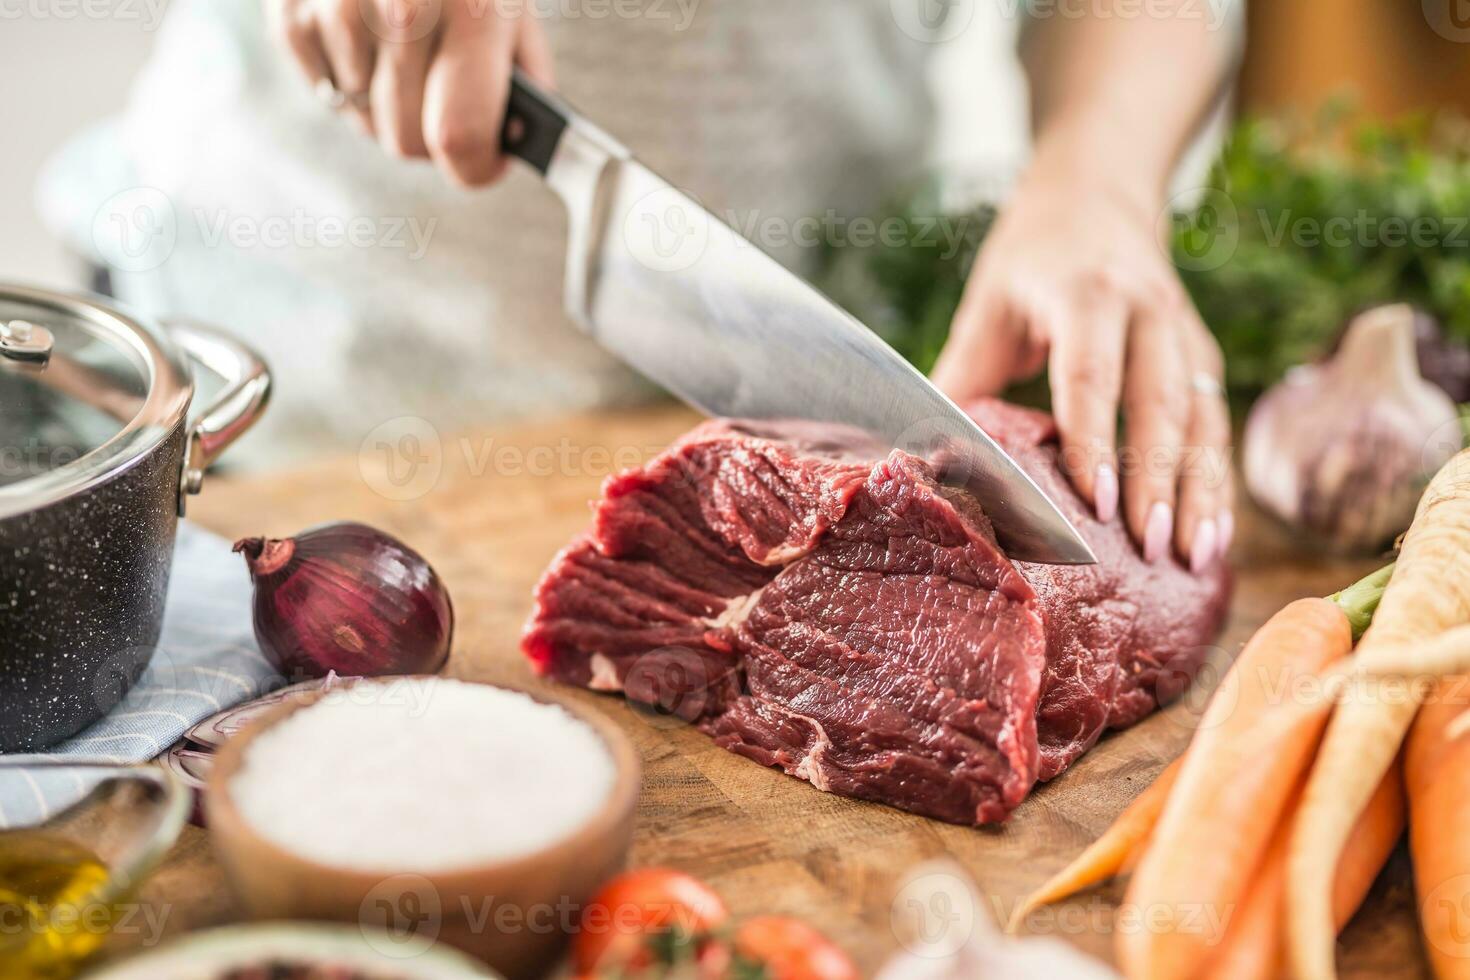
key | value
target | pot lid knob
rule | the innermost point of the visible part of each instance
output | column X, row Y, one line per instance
column 21, row 340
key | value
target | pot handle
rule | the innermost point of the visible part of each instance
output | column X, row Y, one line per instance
column 235, row 409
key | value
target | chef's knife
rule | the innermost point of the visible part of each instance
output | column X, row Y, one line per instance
column 680, row 296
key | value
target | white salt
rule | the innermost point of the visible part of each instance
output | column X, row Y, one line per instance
column 417, row 774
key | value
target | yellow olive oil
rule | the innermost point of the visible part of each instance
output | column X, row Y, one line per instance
column 49, row 918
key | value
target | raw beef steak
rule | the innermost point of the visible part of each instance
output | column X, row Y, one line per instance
column 855, row 623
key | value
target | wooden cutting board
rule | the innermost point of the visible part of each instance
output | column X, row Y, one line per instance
column 490, row 509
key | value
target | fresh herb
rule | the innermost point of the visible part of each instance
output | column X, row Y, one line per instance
column 908, row 290
column 1303, row 222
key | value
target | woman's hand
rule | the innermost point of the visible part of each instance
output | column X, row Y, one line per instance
column 426, row 78
column 1074, row 277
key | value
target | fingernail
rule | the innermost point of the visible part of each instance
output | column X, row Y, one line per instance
column 1105, row 492
column 1202, row 552
column 1157, row 531
column 1227, row 530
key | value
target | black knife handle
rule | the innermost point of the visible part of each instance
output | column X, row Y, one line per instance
column 534, row 122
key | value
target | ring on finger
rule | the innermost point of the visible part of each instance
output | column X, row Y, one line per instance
column 330, row 96
column 1204, row 383
column 335, row 98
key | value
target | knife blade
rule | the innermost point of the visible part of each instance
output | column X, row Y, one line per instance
column 678, row 294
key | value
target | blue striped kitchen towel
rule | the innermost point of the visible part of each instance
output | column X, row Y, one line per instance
column 206, row 660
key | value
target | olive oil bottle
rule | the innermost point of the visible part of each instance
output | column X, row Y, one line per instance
column 50, row 919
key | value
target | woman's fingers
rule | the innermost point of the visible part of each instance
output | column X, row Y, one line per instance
column 351, row 49
column 1086, row 367
column 1156, row 410
column 427, row 79
column 1203, row 527
column 398, row 99
column 464, row 98
column 295, row 23
column 988, row 346
column 533, row 52
column 1205, row 524
column 399, row 76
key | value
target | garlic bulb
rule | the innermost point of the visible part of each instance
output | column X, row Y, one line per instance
column 1344, row 448
column 944, row 925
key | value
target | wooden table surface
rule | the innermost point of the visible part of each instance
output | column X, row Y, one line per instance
column 490, row 509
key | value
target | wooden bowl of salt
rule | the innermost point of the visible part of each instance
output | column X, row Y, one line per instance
column 428, row 810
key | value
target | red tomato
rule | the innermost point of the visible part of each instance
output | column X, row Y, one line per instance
column 789, row 949
column 638, row 918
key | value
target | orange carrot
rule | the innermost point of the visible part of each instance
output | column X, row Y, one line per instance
column 1110, row 853
column 1427, row 597
column 1437, row 777
column 1253, row 745
column 1255, row 940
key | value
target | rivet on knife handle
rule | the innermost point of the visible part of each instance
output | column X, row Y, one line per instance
column 534, row 122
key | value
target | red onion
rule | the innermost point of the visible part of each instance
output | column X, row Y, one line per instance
column 192, row 757
column 349, row 598
column 192, row 767
column 218, row 728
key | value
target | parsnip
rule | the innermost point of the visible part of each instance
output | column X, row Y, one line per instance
column 1428, row 595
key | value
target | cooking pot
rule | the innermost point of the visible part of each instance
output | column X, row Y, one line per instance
column 98, row 454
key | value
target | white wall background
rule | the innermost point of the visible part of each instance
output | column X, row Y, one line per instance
column 61, row 72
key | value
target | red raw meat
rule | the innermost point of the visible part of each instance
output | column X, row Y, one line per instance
column 856, row 624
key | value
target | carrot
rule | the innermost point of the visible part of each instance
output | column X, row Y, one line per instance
column 1437, row 778
column 1124, row 840
column 1253, row 944
column 1237, row 778
column 1369, row 845
column 1110, row 853
column 1428, row 595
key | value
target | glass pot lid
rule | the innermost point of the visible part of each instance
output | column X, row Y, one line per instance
column 84, row 391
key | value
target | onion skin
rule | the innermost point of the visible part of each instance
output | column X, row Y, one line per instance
column 192, row 767
column 348, row 598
